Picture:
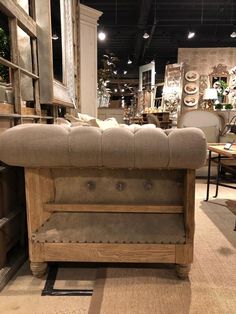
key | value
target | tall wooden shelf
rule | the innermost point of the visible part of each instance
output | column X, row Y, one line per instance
column 37, row 97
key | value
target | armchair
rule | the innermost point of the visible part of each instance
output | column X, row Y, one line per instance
column 208, row 121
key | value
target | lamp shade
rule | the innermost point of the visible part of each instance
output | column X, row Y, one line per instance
column 210, row 94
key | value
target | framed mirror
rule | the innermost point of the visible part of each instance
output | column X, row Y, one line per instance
column 56, row 58
column 147, row 82
column 220, row 74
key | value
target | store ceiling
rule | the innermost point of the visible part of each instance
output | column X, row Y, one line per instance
column 167, row 22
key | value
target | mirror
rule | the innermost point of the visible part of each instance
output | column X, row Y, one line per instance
column 220, row 74
column 147, row 82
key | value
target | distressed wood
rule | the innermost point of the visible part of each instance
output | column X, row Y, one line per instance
column 100, row 252
column 15, row 60
column 8, row 271
column 189, row 204
column 12, row 9
column 39, row 188
column 167, row 209
column 36, row 81
column 41, row 204
column 3, row 251
column 6, row 108
column 184, row 253
column 5, row 220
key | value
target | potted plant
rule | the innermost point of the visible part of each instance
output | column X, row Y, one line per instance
column 218, row 106
column 228, row 106
column 222, row 89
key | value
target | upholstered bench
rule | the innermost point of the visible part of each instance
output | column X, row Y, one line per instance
column 124, row 194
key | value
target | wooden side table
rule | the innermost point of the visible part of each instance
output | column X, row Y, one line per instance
column 228, row 163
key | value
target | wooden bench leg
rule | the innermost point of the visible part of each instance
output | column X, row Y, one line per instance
column 38, row 268
column 182, row 270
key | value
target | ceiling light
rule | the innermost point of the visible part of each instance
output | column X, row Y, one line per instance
column 115, row 90
column 233, row 35
column 55, row 36
column 125, row 72
column 122, row 90
column 101, row 35
column 129, row 61
column 191, row 35
column 115, row 72
column 145, row 35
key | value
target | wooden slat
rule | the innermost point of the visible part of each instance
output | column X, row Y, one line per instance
column 28, row 73
column 6, row 108
column 15, row 59
column 12, row 9
column 100, row 252
column 8, row 63
column 3, row 251
column 15, row 66
column 36, row 82
column 39, row 189
column 13, row 115
column 189, row 205
column 168, row 209
column 9, row 217
column 8, row 271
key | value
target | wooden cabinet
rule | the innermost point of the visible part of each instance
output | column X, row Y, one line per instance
column 163, row 117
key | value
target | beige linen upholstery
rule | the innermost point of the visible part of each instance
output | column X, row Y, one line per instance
column 39, row 145
column 208, row 121
column 123, row 194
column 35, row 145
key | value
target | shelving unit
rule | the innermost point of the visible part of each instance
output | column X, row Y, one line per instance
column 36, row 97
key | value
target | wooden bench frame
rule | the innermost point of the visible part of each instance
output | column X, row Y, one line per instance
column 41, row 204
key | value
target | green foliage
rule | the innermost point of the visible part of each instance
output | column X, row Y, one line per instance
column 4, row 52
column 106, row 72
column 223, row 84
column 219, row 106
column 228, row 106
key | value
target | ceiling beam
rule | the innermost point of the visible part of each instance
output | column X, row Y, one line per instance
column 144, row 12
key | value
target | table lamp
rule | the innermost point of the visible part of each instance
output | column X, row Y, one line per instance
column 210, row 94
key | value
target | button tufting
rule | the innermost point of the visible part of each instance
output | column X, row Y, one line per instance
column 148, row 185
column 120, row 186
column 91, row 185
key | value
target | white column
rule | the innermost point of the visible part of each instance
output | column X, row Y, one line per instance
column 88, row 59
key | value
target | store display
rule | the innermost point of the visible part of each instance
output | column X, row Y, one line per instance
column 190, row 101
column 191, row 88
column 191, row 76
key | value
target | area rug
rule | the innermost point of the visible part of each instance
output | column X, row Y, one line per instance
column 231, row 206
column 211, row 287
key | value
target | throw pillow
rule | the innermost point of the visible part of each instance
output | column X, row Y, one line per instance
column 108, row 123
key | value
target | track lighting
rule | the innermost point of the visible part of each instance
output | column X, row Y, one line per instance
column 145, row 35
column 125, row 72
column 55, row 36
column 191, row 34
column 101, row 35
column 233, row 34
column 129, row 61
